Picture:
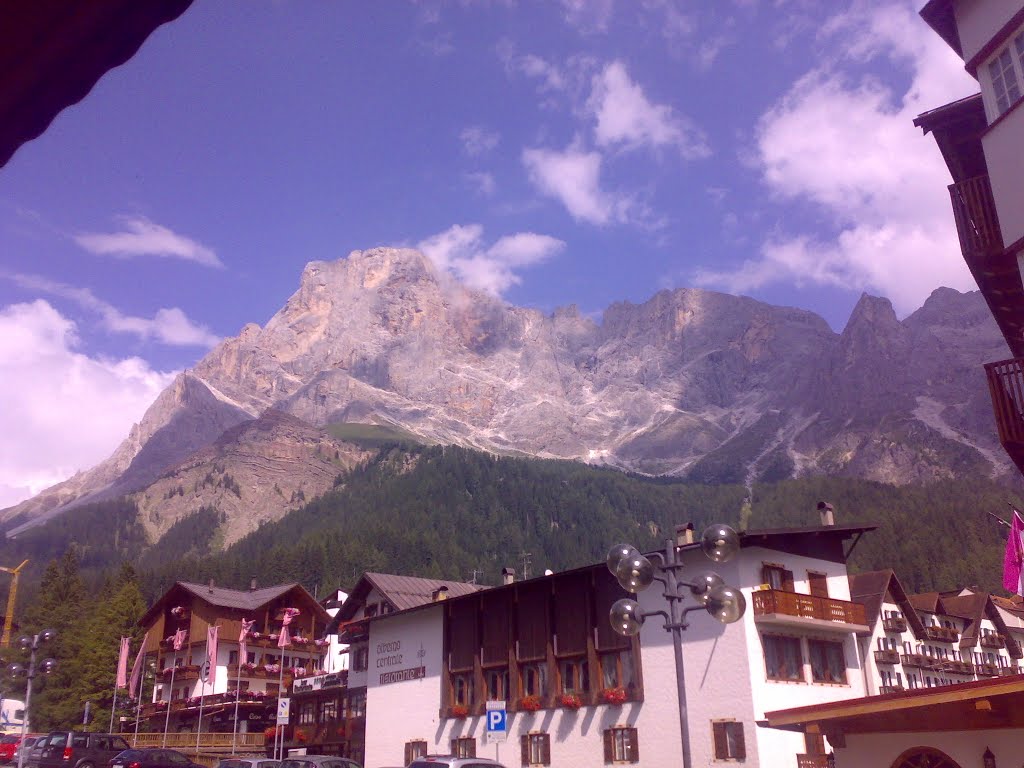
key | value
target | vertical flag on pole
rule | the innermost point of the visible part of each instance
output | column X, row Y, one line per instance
column 211, row 647
column 122, row 663
column 284, row 639
column 179, row 639
column 243, row 636
column 1013, row 561
column 137, row 669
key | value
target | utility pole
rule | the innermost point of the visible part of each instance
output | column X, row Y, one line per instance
column 525, row 557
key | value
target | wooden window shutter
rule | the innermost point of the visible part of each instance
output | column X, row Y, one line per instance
column 408, row 752
column 571, row 621
column 524, row 748
column 741, row 744
column 609, row 747
column 495, row 620
column 721, row 741
column 471, row 747
column 818, row 583
column 545, row 749
column 634, row 743
column 606, row 591
column 532, row 630
column 787, row 581
column 463, row 637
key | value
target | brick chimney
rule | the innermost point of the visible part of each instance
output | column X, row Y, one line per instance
column 684, row 535
column 211, row 586
column 508, row 575
column 441, row 593
column 252, row 583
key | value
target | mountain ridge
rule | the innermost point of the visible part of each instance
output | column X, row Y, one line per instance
column 691, row 383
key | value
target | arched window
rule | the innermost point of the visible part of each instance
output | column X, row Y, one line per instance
column 924, row 757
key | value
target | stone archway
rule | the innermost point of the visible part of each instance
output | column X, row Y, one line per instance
column 924, row 757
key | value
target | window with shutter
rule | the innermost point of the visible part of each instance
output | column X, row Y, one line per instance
column 464, row 747
column 535, row 749
column 818, row 583
column 729, row 740
column 777, row 577
column 620, row 745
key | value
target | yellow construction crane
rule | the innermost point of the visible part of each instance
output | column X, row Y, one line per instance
column 5, row 640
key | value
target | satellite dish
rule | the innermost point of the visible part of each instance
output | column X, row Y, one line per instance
column 548, row 572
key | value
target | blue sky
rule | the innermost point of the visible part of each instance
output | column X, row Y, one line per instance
column 574, row 152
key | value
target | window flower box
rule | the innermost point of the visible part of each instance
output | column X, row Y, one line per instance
column 178, row 611
column 321, row 643
column 272, row 668
column 571, row 701
column 300, row 640
column 298, row 671
column 530, row 703
column 246, row 666
column 459, row 711
column 614, row 696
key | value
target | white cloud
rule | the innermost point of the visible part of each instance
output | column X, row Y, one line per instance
column 63, row 411
column 460, row 251
column 482, row 182
column 848, row 146
column 141, row 237
column 550, row 76
column 168, row 326
column 588, row 16
column 573, row 177
column 477, row 140
column 625, row 116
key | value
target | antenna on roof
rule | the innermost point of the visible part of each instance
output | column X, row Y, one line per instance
column 476, row 572
column 525, row 557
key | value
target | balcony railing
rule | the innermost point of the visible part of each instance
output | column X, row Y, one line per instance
column 992, row 641
column 891, row 689
column 957, row 667
column 986, row 670
column 1006, row 386
column 919, row 660
column 812, row 761
column 941, row 634
column 776, row 602
column 1009, row 670
column 887, row 656
column 246, row 742
column 894, row 624
column 977, row 224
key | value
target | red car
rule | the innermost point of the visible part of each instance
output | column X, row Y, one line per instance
column 8, row 743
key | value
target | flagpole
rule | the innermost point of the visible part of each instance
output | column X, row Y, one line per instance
column 113, row 709
column 280, row 684
column 199, row 725
column 238, row 693
column 138, row 712
column 998, row 518
column 170, row 693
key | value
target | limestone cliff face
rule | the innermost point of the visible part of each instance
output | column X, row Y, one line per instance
column 691, row 382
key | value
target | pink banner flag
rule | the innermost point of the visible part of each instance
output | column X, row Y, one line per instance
column 284, row 639
column 243, row 648
column 179, row 639
column 211, row 647
column 122, row 663
column 1013, row 561
column 137, row 669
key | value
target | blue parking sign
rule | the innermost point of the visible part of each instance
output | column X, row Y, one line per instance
column 497, row 721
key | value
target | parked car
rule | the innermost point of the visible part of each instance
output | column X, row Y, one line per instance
column 35, row 751
column 318, row 761
column 16, row 748
column 8, row 743
column 450, row 761
column 74, row 749
column 248, row 762
column 151, row 757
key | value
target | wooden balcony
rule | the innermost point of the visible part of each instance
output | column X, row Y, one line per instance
column 957, row 667
column 986, row 670
column 887, row 656
column 812, row 761
column 894, row 624
column 246, row 742
column 773, row 606
column 1006, row 387
column 977, row 224
column 992, row 641
column 891, row 689
column 941, row 634
column 1009, row 670
column 919, row 660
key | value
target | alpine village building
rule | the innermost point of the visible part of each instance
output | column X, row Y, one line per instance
column 969, row 639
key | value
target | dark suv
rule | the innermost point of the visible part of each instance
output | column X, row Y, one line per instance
column 74, row 749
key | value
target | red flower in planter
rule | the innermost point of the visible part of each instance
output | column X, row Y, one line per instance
column 530, row 703
column 459, row 710
column 614, row 695
column 571, row 701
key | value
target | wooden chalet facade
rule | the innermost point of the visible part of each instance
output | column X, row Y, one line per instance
column 255, row 682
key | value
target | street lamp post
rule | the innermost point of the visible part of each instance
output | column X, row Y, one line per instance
column 635, row 573
column 15, row 669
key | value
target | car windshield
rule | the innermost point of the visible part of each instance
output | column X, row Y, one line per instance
column 8, row 740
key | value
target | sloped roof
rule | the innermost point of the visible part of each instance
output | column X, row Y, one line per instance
column 246, row 599
column 52, row 53
column 241, row 599
column 871, row 587
column 927, row 601
column 401, row 592
column 974, row 608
